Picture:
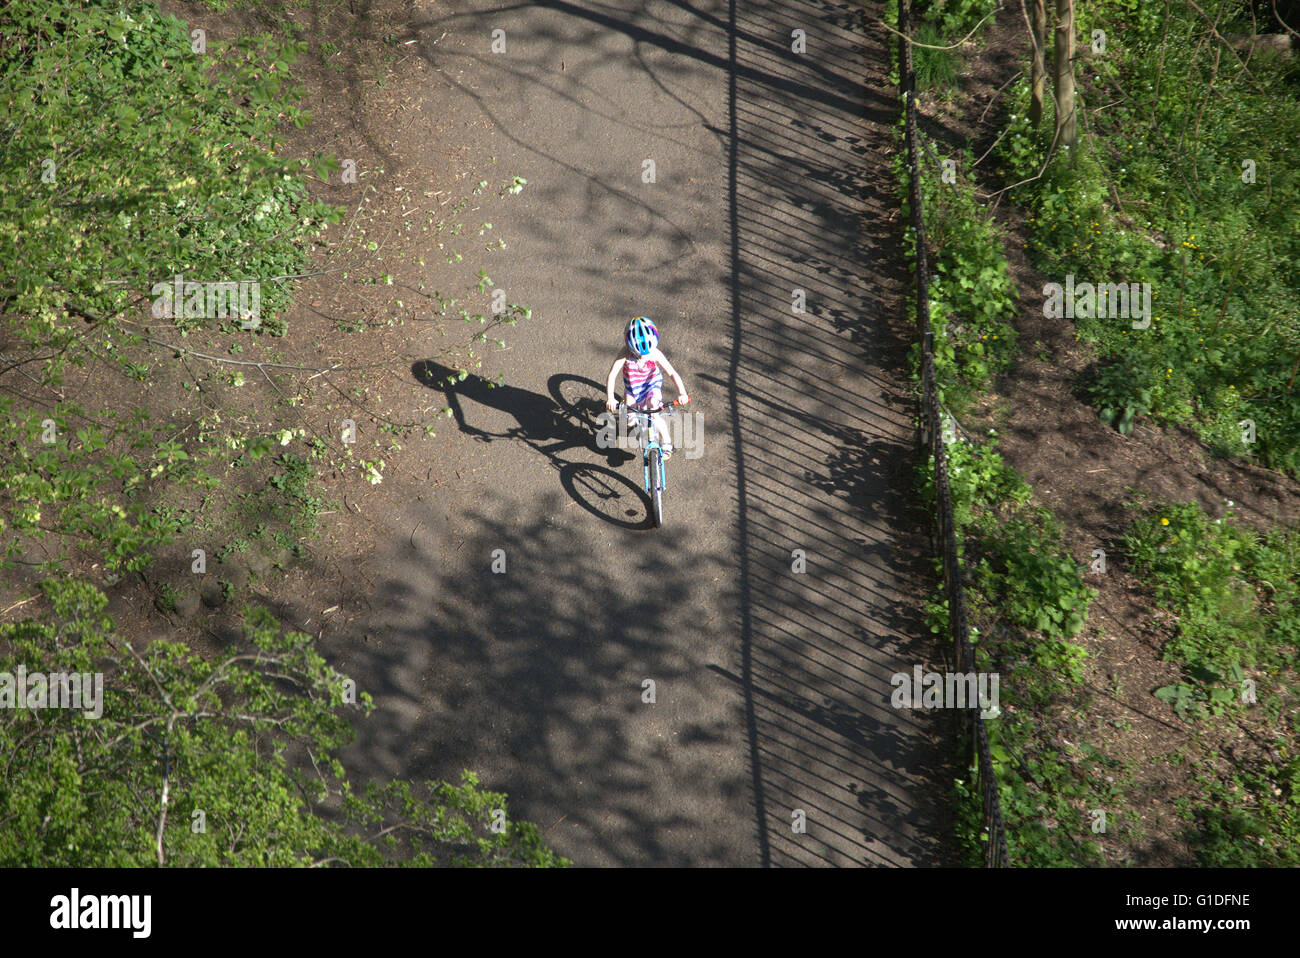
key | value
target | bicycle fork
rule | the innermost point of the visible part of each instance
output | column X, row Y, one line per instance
column 663, row 471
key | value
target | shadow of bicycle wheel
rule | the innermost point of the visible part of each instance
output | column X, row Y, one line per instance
column 607, row 494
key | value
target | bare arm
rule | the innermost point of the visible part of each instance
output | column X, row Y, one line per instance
column 611, row 380
column 673, row 375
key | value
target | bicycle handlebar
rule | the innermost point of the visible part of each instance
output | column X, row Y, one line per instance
column 652, row 412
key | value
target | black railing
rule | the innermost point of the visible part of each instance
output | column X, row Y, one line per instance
column 974, row 734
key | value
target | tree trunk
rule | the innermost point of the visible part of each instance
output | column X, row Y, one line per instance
column 1066, row 121
column 1038, row 70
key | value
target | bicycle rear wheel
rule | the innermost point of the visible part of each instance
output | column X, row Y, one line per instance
column 656, row 489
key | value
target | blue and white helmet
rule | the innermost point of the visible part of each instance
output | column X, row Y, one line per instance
column 642, row 336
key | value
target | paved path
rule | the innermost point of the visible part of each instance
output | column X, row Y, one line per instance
column 772, row 688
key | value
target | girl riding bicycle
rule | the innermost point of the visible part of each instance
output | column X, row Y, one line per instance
column 643, row 366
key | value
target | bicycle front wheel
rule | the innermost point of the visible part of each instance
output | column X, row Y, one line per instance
column 656, row 489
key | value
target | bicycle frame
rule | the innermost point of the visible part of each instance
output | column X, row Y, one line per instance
column 648, row 436
column 652, row 453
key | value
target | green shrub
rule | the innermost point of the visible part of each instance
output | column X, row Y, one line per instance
column 1121, row 390
column 973, row 299
column 954, row 18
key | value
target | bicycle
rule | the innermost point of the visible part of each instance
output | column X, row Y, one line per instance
column 654, row 471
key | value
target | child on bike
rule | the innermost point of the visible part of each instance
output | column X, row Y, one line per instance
column 643, row 366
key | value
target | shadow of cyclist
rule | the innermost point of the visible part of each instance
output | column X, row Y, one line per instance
column 539, row 419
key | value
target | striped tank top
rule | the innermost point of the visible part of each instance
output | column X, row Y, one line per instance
column 642, row 378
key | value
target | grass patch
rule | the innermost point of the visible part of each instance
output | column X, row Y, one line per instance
column 933, row 68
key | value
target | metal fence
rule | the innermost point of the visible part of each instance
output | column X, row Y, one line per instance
column 974, row 734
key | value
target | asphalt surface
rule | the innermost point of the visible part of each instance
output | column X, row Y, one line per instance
column 771, row 686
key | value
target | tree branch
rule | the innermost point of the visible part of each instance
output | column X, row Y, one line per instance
column 926, row 46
